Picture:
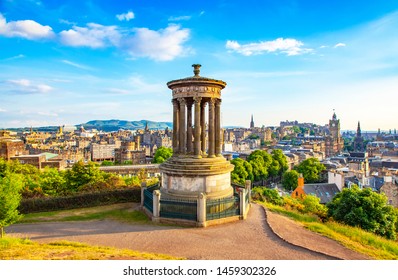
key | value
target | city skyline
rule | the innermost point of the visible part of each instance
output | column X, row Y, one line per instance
column 69, row 62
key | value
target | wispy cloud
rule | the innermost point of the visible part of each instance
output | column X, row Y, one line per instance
column 288, row 46
column 47, row 114
column 27, row 29
column 339, row 45
column 65, row 21
column 118, row 91
column 125, row 16
column 77, row 65
column 14, row 57
column 2, row 110
column 179, row 18
column 28, row 87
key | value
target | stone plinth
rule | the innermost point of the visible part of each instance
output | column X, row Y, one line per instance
column 186, row 177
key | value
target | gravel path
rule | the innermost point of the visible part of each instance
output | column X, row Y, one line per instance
column 257, row 238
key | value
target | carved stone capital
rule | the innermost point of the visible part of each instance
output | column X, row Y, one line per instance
column 182, row 101
column 197, row 99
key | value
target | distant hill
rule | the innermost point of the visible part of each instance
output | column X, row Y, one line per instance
column 114, row 125
column 105, row 125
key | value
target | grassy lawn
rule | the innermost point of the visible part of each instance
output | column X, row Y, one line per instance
column 24, row 249
column 351, row 237
column 122, row 212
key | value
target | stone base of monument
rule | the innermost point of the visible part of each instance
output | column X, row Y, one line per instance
column 196, row 192
column 184, row 177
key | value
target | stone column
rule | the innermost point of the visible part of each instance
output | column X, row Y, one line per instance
column 156, row 206
column 197, row 152
column 211, row 128
column 242, row 205
column 203, row 127
column 182, row 127
column 217, row 128
column 176, row 111
column 142, row 197
column 201, row 210
column 189, row 127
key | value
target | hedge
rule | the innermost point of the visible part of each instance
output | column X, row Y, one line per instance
column 32, row 205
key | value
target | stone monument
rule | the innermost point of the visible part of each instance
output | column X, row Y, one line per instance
column 197, row 165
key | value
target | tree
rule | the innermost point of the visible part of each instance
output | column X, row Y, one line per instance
column 277, row 155
column 239, row 174
column 290, row 180
column 10, row 198
column 162, row 154
column 365, row 209
column 52, row 182
column 260, row 161
column 311, row 169
column 82, row 174
column 107, row 163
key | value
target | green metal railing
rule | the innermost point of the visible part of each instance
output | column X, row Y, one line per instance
column 222, row 208
column 148, row 196
column 178, row 209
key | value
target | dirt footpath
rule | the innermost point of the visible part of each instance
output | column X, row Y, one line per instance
column 263, row 236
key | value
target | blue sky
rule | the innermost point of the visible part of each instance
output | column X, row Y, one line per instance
column 68, row 62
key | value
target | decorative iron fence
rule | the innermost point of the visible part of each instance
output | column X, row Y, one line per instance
column 222, row 208
column 148, row 197
column 178, row 209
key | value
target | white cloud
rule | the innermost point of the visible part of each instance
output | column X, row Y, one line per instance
column 47, row 114
column 14, row 57
column 93, row 36
column 339, row 45
column 289, row 46
column 118, row 91
column 77, row 65
column 27, row 29
column 2, row 110
column 162, row 45
column 126, row 16
column 179, row 18
column 27, row 86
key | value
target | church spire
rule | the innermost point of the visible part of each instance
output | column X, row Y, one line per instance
column 359, row 130
column 252, row 122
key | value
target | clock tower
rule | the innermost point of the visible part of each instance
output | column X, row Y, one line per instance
column 334, row 127
column 334, row 143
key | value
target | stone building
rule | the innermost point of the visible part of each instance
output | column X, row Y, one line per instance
column 12, row 147
column 102, row 151
column 334, row 143
column 359, row 141
column 130, row 151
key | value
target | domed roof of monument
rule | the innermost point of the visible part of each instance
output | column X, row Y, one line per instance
column 196, row 79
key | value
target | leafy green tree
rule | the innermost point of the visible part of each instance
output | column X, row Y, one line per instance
column 52, row 182
column 107, row 163
column 312, row 204
column 290, row 180
column 162, row 154
column 81, row 174
column 296, row 129
column 277, row 155
column 365, row 209
column 239, row 174
column 10, row 198
column 260, row 161
column 274, row 168
column 311, row 169
column 260, row 170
